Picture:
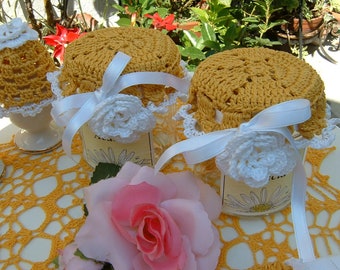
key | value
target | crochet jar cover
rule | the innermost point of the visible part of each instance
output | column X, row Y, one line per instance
column 23, row 74
column 87, row 58
column 240, row 83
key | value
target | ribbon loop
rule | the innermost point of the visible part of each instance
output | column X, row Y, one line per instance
column 204, row 147
column 75, row 110
column 273, row 119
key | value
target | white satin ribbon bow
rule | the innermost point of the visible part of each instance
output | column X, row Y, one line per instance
column 75, row 110
column 273, row 119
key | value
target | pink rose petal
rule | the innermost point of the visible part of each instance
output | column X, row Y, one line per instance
column 98, row 239
column 210, row 259
column 129, row 197
column 161, row 181
column 186, row 185
column 211, row 201
column 142, row 220
column 104, row 190
column 192, row 220
column 128, row 171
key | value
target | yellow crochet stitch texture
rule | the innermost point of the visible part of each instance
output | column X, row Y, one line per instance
column 242, row 82
column 37, row 185
column 87, row 58
column 23, row 74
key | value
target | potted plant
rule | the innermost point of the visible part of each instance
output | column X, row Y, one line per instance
column 334, row 6
column 312, row 20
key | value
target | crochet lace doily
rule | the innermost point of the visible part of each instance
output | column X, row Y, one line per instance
column 49, row 186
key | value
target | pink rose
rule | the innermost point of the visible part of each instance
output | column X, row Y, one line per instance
column 142, row 220
column 69, row 261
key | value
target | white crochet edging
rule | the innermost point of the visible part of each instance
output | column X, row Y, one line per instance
column 257, row 155
column 122, row 117
column 16, row 33
column 26, row 110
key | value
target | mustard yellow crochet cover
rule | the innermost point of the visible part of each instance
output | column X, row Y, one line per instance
column 23, row 74
column 242, row 82
column 87, row 58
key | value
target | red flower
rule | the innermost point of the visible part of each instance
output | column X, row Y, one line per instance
column 160, row 23
column 61, row 39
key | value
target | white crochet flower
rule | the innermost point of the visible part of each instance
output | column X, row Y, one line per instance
column 255, row 156
column 122, row 118
column 16, row 33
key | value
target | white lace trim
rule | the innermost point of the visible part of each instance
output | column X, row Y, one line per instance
column 255, row 156
column 318, row 141
column 122, row 117
column 26, row 110
column 16, row 33
column 326, row 138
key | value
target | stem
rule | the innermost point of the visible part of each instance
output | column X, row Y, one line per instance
column 82, row 14
column 49, row 13
column 63, row 14
column 31, row 17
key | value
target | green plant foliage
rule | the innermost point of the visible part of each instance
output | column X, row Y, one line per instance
column 104, row 171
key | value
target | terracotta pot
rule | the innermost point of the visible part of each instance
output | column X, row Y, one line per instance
column 187, row 25
column 307, row 26
column 336, row 16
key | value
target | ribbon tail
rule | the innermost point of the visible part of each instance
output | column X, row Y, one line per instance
column 63, row 110
column 79, row 119
column 196, row 149
column 299, row 188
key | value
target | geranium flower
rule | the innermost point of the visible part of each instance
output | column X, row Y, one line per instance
column 160, row 23
column 61, row 39
column 141, row 220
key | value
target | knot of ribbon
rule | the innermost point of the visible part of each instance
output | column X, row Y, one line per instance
column 275, row 119
column 74, row 111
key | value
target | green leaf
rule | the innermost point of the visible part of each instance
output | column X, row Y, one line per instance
column 124, row 21
column 212, row 45
column 251, row 20
column 191, row 36
column 208, row 32
column 163, row 12
column 226, row 3
column 107, row 266
column 80, row 255
column 56, row 262
column 104, row 171
column 276, row 23
column 201, row 14
column 193, row 53
column 118, row 7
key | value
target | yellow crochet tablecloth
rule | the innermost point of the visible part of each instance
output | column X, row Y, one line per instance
column 41, row 210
